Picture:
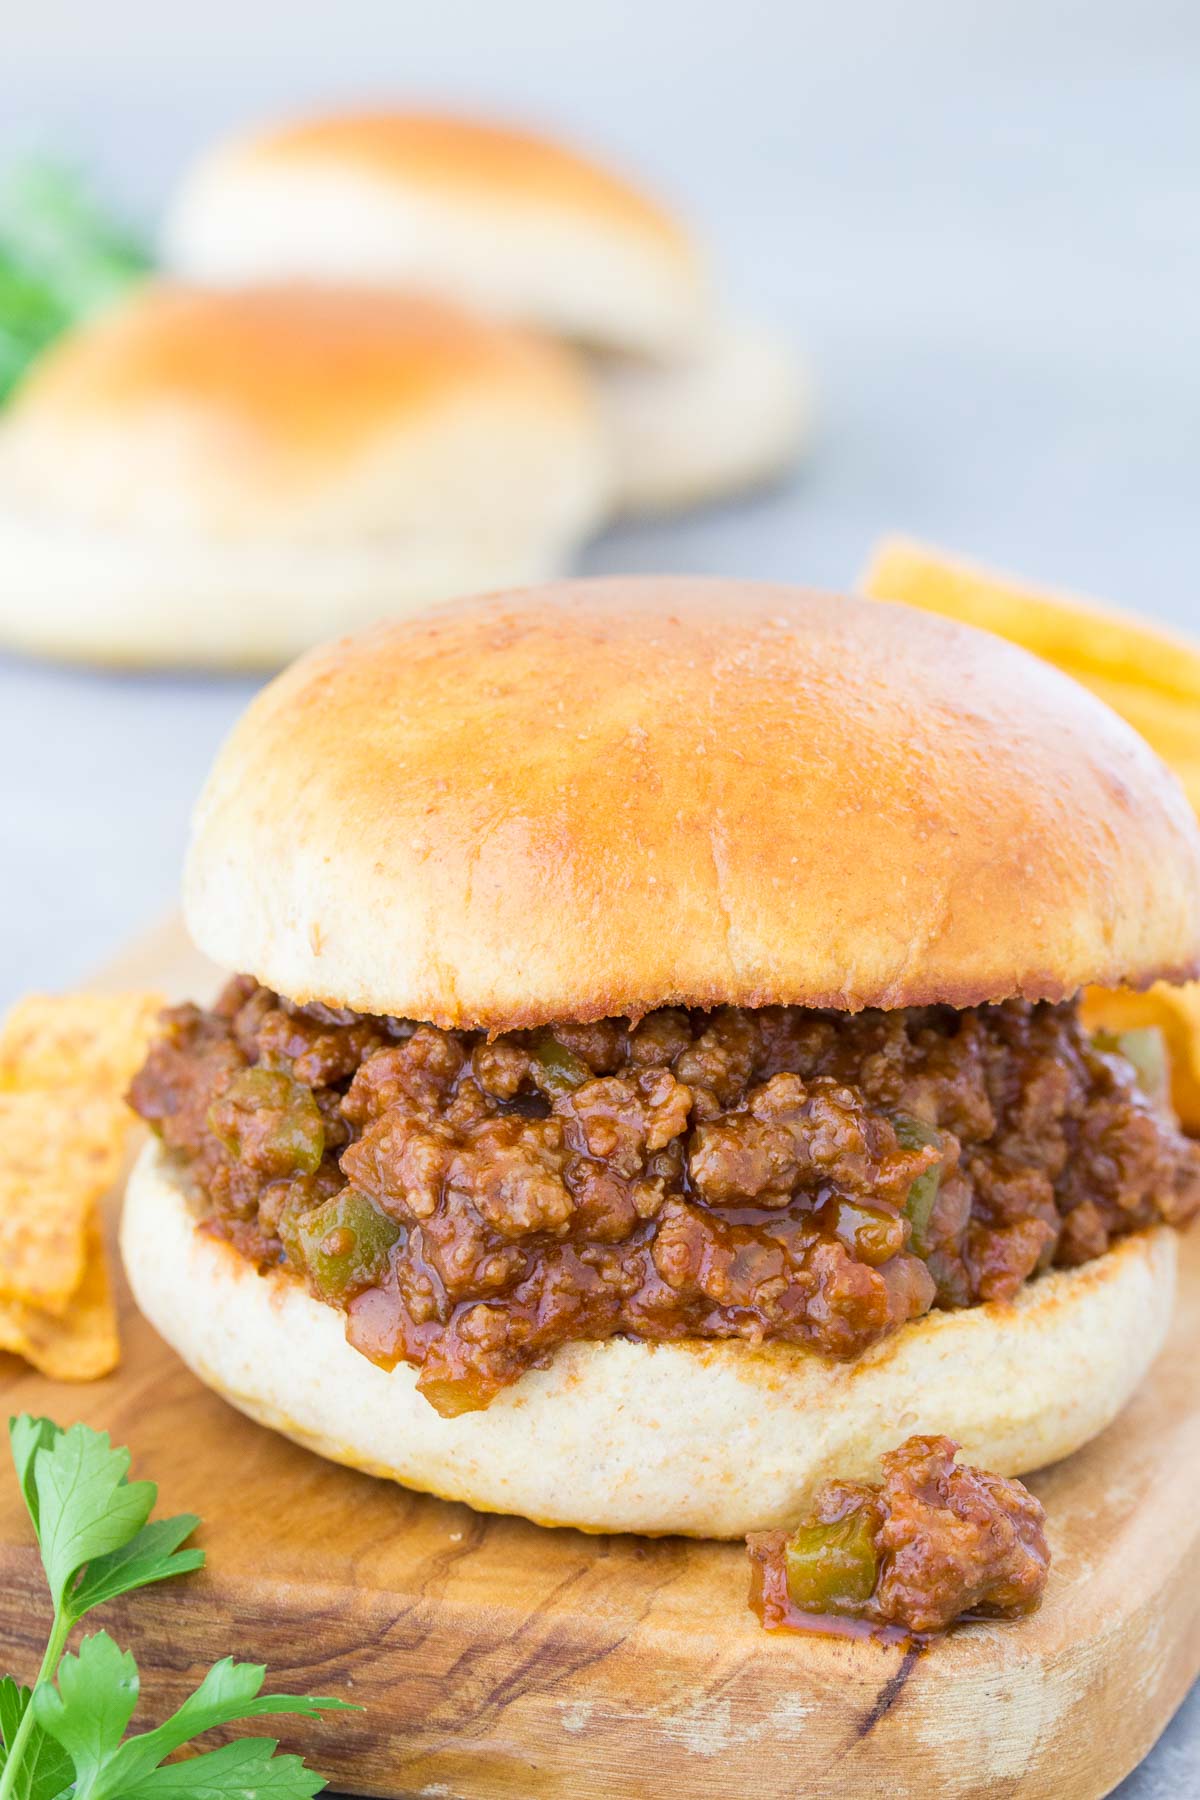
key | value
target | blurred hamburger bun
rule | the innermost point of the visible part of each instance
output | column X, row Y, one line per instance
column 519, row 226
column 605, row 797
column 732, row 415
column 709, row 1438
column 224, row 478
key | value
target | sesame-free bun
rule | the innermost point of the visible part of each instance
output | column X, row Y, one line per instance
column 709, row 1438
column 521, row 228
column 602, row 797
column 225, row 478
column 731, row 415
column 518, row 225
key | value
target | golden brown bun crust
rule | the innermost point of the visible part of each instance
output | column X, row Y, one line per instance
column 313, row 369
column 229, row 477
column 512, row 224
column 603, row 797
column 472, row 157
column 706, row 1437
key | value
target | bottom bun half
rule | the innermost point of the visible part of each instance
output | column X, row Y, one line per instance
column 124, row 599
column 711, row 1439
column 732, row 415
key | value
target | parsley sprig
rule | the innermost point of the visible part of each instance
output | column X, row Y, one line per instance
column 62, row 258
column 64, row 1739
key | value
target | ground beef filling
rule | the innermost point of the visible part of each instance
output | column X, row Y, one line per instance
column 778, row 1174
column 935, row 1541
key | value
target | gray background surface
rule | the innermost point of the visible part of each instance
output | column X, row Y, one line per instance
column 981, row 223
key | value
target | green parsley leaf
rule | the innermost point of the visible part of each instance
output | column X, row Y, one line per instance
column 142, row 1556
column 87, row 1506
column 88, row 1711
column 46, row 1768
column 27, row 1436
column 62, row 258
column 66, row 1740
column 228, row 1693
column 153, row 1555
column 13, row 1701
column 247, row 1770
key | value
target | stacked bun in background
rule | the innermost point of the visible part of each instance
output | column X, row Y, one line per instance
column 395, row 358
column 223, row 478
column 524, row 229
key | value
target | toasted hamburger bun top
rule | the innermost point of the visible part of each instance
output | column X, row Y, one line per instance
column 710, row 1438
column 300, row 411
column 603, row 797
column 519, row 225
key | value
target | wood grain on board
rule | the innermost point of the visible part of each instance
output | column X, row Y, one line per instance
column 496, row 1659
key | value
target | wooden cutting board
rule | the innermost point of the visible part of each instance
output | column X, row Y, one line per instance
column 496, row 1659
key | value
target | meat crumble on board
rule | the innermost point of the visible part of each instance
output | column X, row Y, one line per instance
column 933, row 1542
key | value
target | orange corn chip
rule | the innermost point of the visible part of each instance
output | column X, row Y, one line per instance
column 81, row 1344
column 1176, row 1012
column 1085, row 639
column 1147, row 675
column 65, row 1062
column 76, row 1040
column 63, row 1150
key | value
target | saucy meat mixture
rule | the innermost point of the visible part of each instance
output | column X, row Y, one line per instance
column 933, row 1542
column 779, row 1174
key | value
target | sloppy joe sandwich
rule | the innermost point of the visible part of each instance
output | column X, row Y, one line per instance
column 653, row 1083
column 522, row 227
column 225, row 478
